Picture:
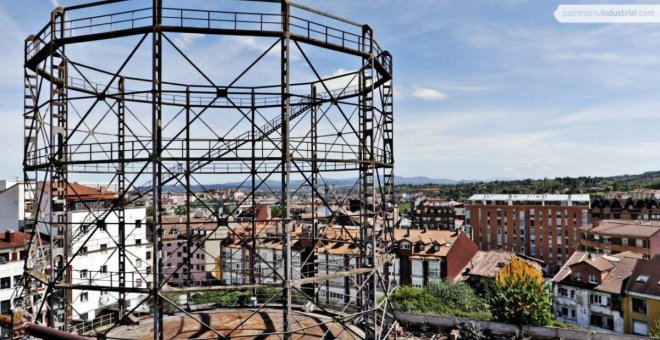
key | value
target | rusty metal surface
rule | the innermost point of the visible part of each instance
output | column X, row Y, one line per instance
column 265, row 324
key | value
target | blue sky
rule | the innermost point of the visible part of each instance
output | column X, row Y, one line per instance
column 484, row 89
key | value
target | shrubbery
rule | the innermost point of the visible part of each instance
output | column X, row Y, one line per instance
column 442, row 298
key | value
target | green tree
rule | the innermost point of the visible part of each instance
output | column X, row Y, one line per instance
column 522, row 301
column 654, row 331
column 458, row 296
column 276, row 211
column 414, row 300
column 180, row 210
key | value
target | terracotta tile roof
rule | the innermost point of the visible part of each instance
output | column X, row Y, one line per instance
column 624, row 228
column 619, row 267
column 648, row 269
column 490, row 263
column 434, row 243
column 79, row 192
column 16, row 239
column 613, row 282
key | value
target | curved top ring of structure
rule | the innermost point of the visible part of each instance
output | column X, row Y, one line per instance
column 81, row 24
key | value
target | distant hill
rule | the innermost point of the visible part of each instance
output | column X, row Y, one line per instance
column 421, row 180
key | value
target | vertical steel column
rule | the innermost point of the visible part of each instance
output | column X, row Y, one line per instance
column 286, row 169
column 30, row 146
column 253, row 175
column 388, row 148
column 121, row 197
column 156, row 143
column 367, row 188
column 189, row 243
column 314, row 287
column 59, row 230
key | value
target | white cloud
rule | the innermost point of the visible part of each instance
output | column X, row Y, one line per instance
column 55, row 3
column 184, row 40
column 426, row 93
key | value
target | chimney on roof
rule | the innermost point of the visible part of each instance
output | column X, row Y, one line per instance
column 10, row 236
column 426, row 228
column 408, row 231
column 103, row 189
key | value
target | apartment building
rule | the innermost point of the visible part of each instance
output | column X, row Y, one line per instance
column 589, row 290
column 12, row 256
column 12, row 207
column 545, row 227
column 181, row 258
column 625, row 209
column 435, row 214
column 642, row 303
column 92, row 234
column 616, row 236
column 426, row 255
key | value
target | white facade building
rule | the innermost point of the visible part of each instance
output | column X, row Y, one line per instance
column 12, row 254
column 12, row 207
column 589, row 290
column 98, row 262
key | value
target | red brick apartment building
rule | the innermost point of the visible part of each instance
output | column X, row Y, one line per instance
column 545, row 227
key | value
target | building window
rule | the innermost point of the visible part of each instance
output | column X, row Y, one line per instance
column 639, row 306
column 577, row 276
column 640, row 327
column 593, row 279
column 138, row 263
column 83, row 251
column 5, row 307
column 138, row 223
column 405, row 245
column 83, row 274
column 84, row 297
column 5, row 283
column 17, row 280
column 138, row 241
column 104, row 247
column 104, row 269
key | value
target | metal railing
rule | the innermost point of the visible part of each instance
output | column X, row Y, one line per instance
column 204, row 19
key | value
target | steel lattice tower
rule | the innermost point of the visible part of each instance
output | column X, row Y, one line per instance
column 285, row 126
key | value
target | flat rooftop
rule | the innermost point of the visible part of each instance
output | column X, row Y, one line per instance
column 578, row 198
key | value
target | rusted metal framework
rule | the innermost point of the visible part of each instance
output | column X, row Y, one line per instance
column 314, row 103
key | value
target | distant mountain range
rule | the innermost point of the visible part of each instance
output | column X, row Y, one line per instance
column 335, row 183
column 650, row 179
